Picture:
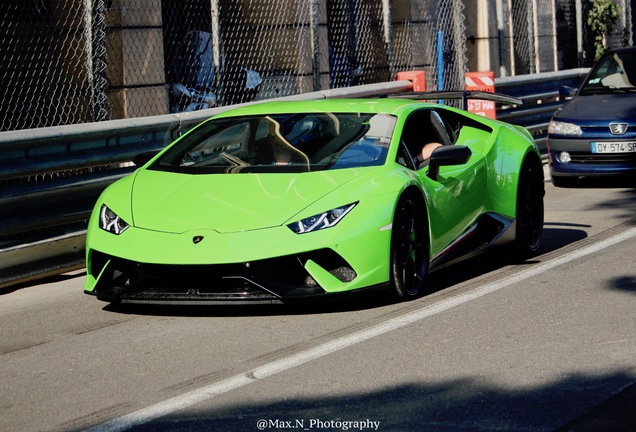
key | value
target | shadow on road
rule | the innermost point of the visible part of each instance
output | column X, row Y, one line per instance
column 577, row 403
column 624, row 283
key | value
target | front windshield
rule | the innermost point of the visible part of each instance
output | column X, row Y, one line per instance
column 615, row 73
column 281, row 143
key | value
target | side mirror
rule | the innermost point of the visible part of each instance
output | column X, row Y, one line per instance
column 567, row 91
column 447, row 156
column 143, row 158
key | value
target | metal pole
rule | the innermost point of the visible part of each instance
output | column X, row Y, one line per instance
column 459, row 44
column 511, row 33
column 628, row 38
column 100, row 84
column 440, row 61
column 314, row 23
column 501, row 37
column 555, row 57
column 535, row 36
column 579, row 32
column 216, row 42
column 530, row 29
column 388, row 35
column 630, row 23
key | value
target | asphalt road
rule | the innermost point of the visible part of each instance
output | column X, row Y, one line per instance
column 498, row 345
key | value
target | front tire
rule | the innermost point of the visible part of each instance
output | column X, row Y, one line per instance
column 530, row 193
column 409, row 248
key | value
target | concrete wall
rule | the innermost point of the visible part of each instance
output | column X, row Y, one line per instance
column 135, row 59
column 482, row 44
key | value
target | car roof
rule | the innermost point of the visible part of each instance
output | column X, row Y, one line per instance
column 375, row 105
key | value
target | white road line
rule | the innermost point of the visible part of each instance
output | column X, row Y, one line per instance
column 202, row 394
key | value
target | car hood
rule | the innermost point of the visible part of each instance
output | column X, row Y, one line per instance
column 598, row 109
column 177, row 203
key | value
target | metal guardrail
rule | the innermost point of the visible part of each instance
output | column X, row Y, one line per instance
column 51, row 177
column 540, row 96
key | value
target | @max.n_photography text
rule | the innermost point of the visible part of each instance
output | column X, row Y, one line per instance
column 317, row 424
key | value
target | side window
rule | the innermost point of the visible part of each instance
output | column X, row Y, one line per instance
column 445, row 125
column 404, row 157
column 423, row 132
column 466, row 131
column 416, row 131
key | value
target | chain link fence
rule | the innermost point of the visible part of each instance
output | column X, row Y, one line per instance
column 78, row 61
column 549, row 35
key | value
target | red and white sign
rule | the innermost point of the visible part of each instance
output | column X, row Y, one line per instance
column 484, row 82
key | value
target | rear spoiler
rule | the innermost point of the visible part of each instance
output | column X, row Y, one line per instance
column 463, row 95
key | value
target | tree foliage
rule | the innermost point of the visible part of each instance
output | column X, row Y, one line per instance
column 602, row 16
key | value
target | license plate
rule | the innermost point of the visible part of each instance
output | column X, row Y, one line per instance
column 613, row 147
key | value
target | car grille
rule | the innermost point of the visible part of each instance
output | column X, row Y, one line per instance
column 264, row 280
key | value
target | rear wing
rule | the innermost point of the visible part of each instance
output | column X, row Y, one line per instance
column 463, row 95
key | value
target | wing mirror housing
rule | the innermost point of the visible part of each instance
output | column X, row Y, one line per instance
column 567, row 91
column 143, row 158
column 447, row 156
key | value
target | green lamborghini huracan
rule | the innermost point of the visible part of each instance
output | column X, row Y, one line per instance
column 283, row 201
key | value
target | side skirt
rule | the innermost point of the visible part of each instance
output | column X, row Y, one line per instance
column 490, row 230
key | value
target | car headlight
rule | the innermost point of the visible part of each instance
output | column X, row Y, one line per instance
column 321, row 221
column 110, row 222
column 562, row 128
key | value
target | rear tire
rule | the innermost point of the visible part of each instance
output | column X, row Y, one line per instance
column 409, row 248
column 530, row 192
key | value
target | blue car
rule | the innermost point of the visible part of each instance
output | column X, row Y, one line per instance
column 594, row 133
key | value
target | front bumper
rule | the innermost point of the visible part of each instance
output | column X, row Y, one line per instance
column 273, row 280
column 265, row 266
column 585, row 163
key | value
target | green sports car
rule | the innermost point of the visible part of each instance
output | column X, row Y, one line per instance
column 283, row 201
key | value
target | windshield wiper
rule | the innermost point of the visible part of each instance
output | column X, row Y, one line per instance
column 606, row 90
column 622, row 89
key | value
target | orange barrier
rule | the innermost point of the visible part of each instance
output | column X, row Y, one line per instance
column 485, row 82
column 418, row 78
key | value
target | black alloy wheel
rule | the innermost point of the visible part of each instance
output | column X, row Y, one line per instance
column 409, row 248
column 530, row 195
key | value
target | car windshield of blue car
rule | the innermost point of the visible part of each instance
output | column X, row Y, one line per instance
column 296, row 142
column 615, row 73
